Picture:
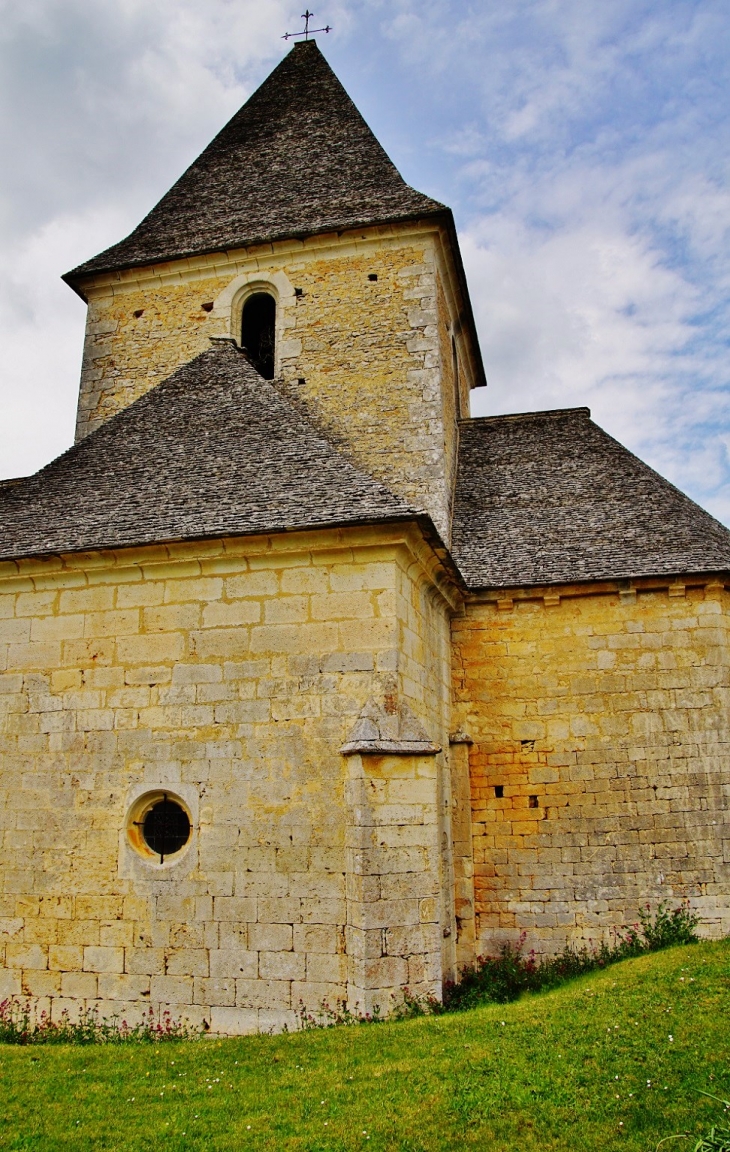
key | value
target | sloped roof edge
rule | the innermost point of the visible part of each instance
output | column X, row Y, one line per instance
column 296, row 159
column 214, row 450
column 549, row 498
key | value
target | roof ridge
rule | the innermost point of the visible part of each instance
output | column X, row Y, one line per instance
column 579, row 411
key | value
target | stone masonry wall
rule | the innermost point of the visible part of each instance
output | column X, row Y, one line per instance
column 357, row 339
column 227, row 674
column 600, row 768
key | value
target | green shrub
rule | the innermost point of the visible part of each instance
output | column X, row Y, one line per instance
column 502, row 978
column 719, row 1138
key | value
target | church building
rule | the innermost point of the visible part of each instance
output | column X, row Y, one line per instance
column 313, row 688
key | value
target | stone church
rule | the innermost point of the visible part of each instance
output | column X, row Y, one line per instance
column 313, row 687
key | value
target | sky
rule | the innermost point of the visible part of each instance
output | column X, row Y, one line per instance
column 582, row 144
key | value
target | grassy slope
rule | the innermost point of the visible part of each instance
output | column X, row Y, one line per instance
column 555, row 1071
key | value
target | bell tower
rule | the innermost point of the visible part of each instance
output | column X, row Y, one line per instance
column 294, row 235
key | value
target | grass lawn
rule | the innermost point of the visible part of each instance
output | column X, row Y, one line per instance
column 611, row 1061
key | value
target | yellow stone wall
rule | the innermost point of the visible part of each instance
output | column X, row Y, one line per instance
column 608, row 710
column 371, row 358
column 230, row 674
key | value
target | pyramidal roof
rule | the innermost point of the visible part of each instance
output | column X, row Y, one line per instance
column 296, row 160
column 549, row 498
column 212, row 451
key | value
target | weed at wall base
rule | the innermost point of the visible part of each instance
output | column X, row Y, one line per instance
column 502, row 978
column 18, row 1026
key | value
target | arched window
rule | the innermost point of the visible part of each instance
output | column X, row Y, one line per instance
column 258, row 332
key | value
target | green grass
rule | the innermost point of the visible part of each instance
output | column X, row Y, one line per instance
column 567, row 1069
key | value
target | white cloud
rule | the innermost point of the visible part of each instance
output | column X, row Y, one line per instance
column 582, row 145
column 101, row 108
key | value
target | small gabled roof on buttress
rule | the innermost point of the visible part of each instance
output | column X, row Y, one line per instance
column 296, row 160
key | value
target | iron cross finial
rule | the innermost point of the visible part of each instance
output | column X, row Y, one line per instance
column 306, row 17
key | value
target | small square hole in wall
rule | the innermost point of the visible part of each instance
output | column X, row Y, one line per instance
column 298, row 292
column 533, row 802
column 373, row 276
column 138, row 313
column 208, row 306
column 499, row 791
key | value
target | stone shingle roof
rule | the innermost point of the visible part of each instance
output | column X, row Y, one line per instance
column 296, row 160
column 549, row 497
column 212, row 451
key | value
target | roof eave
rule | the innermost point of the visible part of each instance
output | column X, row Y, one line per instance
column 422, row 519
column 665, row 578
column 79, row 276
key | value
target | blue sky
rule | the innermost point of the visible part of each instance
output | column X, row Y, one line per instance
column 583, row 146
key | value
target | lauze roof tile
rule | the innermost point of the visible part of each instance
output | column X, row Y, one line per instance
column 296, row 160
column 212, row 451
column 549, row 497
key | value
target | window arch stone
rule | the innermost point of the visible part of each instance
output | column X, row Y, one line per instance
column 232, row 300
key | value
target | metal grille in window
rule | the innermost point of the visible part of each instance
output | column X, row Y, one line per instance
column 166, row 828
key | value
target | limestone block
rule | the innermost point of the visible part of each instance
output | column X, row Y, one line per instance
column 234, row 908
column 215, row 991
column 33, row 956
column 323, row 969
column 10, row 983
column 98, row 959
column 171, row 989
column 263, row 993
column 113, row 986
column 78, row 932
column 318, row 938
column 145, row 961
column 41, row 984
column 230, row 963
column 282, row 966
column 79, row 985
column 383, row 973
column 188, row 962
column 270, row 937
column 234, row 1021
column 318, row 911
column 119, row 933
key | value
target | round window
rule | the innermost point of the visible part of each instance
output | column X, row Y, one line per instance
column 165, row 827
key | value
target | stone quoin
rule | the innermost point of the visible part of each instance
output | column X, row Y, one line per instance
column 312, row 687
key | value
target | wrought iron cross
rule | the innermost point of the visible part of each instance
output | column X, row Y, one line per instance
column 306, row 17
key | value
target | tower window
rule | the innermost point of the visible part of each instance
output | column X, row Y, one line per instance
column 258, row 332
